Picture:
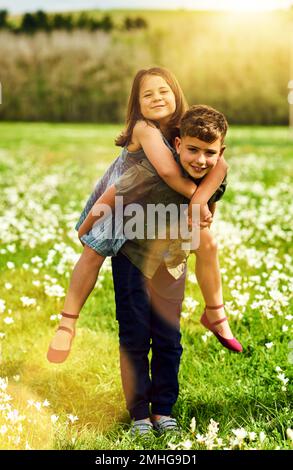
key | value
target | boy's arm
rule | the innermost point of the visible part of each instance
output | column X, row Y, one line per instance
column 108, row 197
column 162, row 159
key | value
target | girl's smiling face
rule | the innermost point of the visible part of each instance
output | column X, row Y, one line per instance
column 156, row 99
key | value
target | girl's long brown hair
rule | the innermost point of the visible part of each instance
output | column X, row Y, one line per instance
column 133, row 108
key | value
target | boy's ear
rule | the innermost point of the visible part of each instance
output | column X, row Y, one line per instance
column 222, row 151
column 177, row 143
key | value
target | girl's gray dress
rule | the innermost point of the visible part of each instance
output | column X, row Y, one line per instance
column 98, row 237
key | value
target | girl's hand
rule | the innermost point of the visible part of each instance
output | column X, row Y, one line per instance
column 206, row 217
column 206, row 222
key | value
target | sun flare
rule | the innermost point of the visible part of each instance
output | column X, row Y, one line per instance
column 245, row 5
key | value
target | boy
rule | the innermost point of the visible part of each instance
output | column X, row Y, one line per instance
column 149, row 277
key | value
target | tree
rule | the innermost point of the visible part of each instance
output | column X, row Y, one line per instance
column 106, row 23
column 42, row 21
column 3, row 19
column 60, row 21
column 128, row 23
column 134, row 23
column 28, row 23
column 140, row 23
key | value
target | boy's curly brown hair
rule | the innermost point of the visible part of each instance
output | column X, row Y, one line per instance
column 204, row 123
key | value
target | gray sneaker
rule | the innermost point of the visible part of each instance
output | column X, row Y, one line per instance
column 166, row 424
column 141, row 427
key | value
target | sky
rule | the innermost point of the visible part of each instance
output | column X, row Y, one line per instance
column 20, row 6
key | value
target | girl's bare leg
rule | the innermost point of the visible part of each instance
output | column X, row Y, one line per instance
column 82, row 282
column 209, row 280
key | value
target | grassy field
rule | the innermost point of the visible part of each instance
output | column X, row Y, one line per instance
column 237, row 401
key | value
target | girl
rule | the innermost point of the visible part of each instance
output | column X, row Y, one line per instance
column 156, row 105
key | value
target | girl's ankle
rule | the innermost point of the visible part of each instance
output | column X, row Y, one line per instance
column 68, row 321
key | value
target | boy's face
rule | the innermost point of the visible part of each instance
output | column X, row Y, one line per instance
column 198, row 157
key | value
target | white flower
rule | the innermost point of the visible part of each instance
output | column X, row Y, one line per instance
column 187, row 444
column 200, row 438
column 283, row 378
column 278, row 369
column 2, row 306
column 193, row 424
column 289, row 433
column 192, row 278
column 46, row 403
column 284, row 328
column 235, row 442
column 72, row 418
column 25, row 266
column 213, row 426
column 262, row 436
column 11, row 248
column 190, row 303
column 55, row 317
column 172, row 446
column 14, row 416
column 8, row 320
column 3, row 429
column 36, row 259
column 38, row 405
column 269, row 345
column 27, row 301
column 10, row 265
column 36, row 283
column 204, row 338
column 8, row 285
column 54, row 418
column 3, row 384
column 240, row 433
column 185, row 314
column 54, row 291
column 16, row 378
column 252, row 436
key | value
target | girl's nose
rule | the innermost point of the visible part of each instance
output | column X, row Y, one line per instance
column 157, row 97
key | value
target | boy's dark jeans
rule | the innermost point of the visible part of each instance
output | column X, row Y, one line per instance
column 148, row 312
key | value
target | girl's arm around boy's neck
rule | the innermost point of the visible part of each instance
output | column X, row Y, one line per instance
column 157, row 152
column 210, row 183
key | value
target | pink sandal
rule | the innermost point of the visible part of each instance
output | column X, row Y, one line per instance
column 231, row 344
column 60, row 355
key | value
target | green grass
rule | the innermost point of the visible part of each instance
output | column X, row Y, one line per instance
column 47, row 172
